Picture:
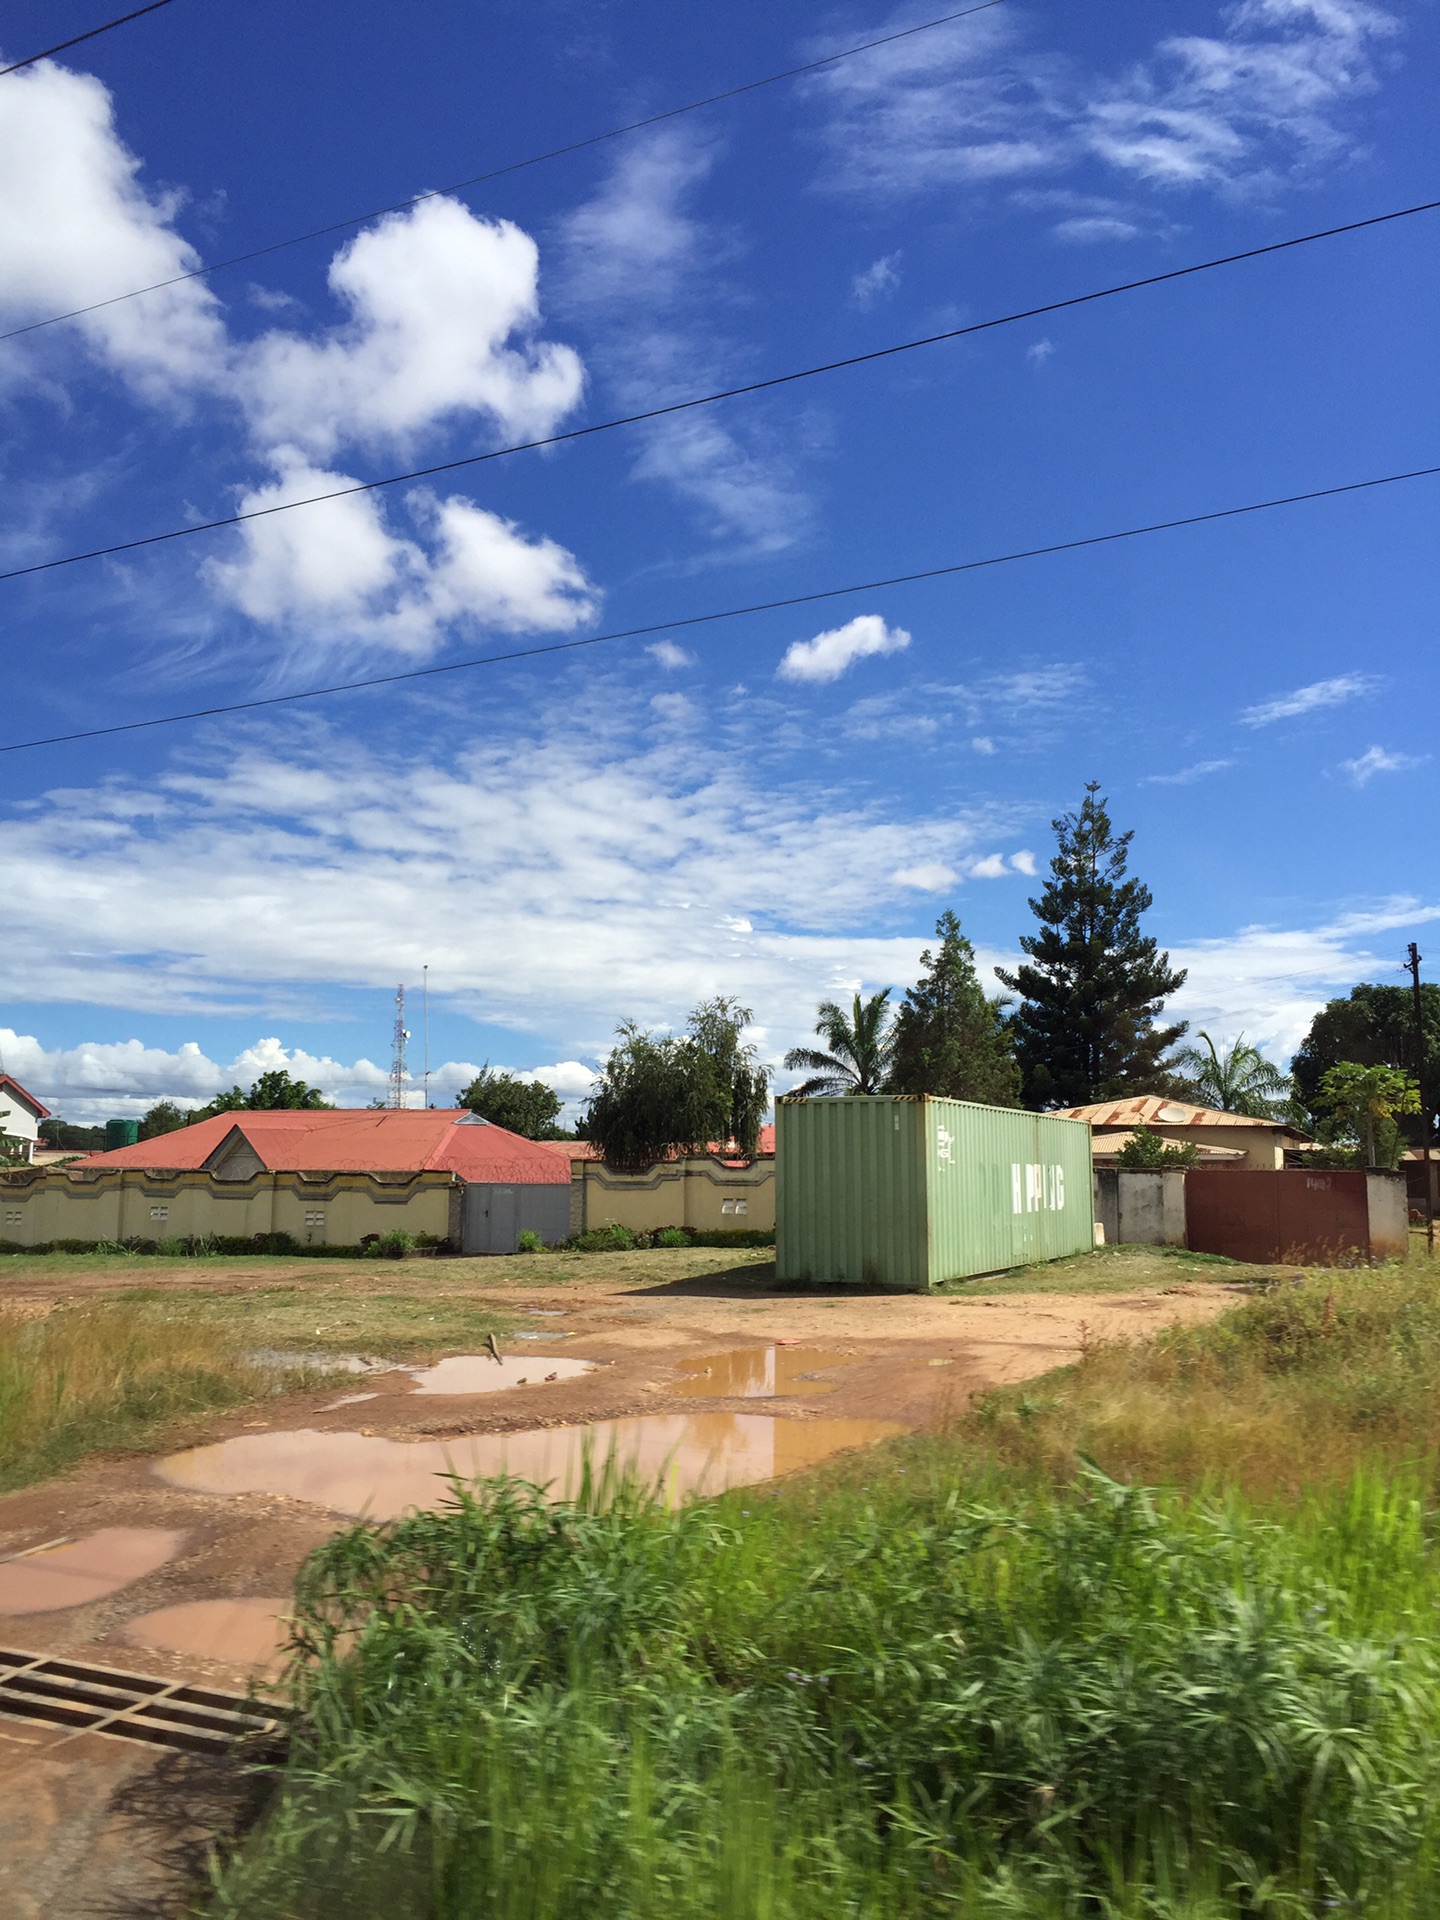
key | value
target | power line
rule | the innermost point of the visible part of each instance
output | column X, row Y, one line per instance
column 727, row 613
column 710, row 399
column 94, row 33
column 496, row 173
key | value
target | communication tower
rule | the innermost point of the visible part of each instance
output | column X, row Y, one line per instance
column 398, row 1073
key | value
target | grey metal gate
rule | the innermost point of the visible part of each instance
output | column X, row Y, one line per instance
column 495, row 1216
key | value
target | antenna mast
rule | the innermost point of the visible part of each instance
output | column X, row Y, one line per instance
column 425, row 1025
column 398, row 1073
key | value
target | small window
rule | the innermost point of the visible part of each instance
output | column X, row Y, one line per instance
column 159, row 1213
column 14, row 1219
column 314, row 1219
column 734, row 1206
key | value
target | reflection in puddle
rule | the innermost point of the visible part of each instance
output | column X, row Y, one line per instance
column 358, row 1474
column 478, row 1373
column 759, row 1373
column 101, row 1563
column 247, row 1633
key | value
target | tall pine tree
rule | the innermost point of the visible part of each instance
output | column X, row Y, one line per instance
column 949, row 1039
column 1085, row 1027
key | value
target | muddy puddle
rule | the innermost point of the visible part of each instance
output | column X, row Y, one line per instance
column 759, row 1373
column 379, row 1479
column 480, row 1373
column 246, row 1633
column 78, row 1571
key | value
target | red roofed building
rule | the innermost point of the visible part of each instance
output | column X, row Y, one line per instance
column 336, row 1177
column 20, row 1117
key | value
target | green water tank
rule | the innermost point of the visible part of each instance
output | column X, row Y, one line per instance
column 906, row 1192
column 121, row 1133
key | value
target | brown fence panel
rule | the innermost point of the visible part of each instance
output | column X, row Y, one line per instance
column 1268, row 1217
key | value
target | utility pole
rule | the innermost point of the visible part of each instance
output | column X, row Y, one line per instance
column 1412, row 957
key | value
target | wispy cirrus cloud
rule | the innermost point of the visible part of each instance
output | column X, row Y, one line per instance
column 644, row 274
column 1337, row 691
column 1187, row 776
column 1264, row 101
column 1363, row 769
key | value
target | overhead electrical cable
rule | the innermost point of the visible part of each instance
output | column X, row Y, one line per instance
column 496, row 173
column 709, row 399
column 93, row 34
column 692, row 620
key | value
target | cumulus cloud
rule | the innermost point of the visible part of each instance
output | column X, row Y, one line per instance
column 1360, row 772
column 77, row 225
column 1319, row 694
column 829, row 654
column 877, row 282
column 1040, row 352
column 339, row 573
column 1023, row 862
column 443, row 307
column 930, row 877
column 670, row 655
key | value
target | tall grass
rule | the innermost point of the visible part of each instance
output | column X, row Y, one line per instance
column 969, row 1674
column 113, row 1374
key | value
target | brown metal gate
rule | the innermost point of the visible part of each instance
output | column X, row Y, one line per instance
column 1322, row 1218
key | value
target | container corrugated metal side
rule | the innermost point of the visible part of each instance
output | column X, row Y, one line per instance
column 850, row 1192
column 905, row 1193
column 1005, row 1188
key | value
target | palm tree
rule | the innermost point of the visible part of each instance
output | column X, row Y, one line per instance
column 861, row 1045
column 1237, row 1079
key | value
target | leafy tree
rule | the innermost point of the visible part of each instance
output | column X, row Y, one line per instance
column 1147, row 1150
column 163, row 1117
column 949, row 1039
column 272, row 1091
column 71, row 1138
column 1374, row 1027
column 679, row 1092
column 1085, row 1027
column 861, row 1049
column 1364, row 1101
column 1236, row 1079
column 525, row 1107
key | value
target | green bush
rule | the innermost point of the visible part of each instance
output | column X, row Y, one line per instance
column 390, row 1246
column 609, row 1239
column 671, row 1237
column 530, row 1242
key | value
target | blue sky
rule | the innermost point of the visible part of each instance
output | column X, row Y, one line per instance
column 779, row 806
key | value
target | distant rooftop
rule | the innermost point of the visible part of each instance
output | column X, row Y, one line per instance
column 1154, row 1110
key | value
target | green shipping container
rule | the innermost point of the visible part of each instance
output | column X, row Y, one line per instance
column 904, row 1192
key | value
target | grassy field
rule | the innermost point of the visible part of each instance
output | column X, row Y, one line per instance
column 977, row 1674
column 127, row 1371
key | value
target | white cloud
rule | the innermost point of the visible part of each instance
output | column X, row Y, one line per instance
column 1263, row 101
column 1040, row 352
column 828, row 655
column 646, row 276
column 877, row 282
column 983, row 744
column 1092, row 229
column 554, row 879
column 1311, row 699
column 338, row 573
column 992, row 867
column 1023, row 862
column 1362, row 771
column 77, row 226
column 569, row 1078
column 1186, row 776
column 670, row 655
column 930, row 877
column 674, row 708
column 443, row 308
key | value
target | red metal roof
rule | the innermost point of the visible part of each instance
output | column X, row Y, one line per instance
column 587, row 1150
column 364, row 1140
column 1152, row 1110
column 9, row 1084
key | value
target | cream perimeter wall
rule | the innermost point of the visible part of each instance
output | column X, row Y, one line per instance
column 334, row 1210
column 702, row 1193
